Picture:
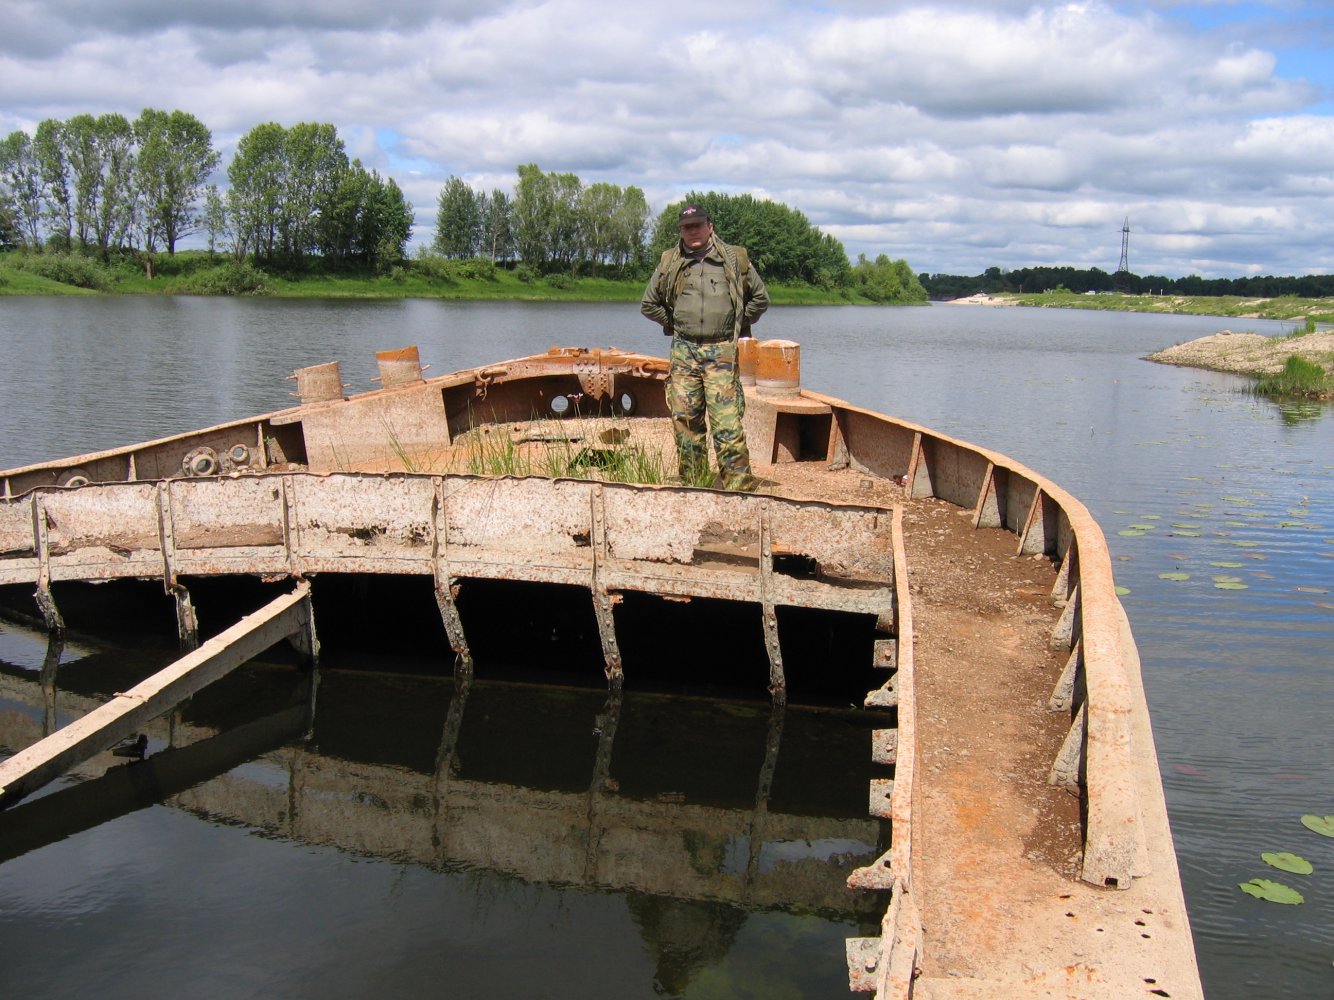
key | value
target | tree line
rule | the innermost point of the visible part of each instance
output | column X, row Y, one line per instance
column 994, row 280
column 106, row 185
column 554, row 223
column 103, row 183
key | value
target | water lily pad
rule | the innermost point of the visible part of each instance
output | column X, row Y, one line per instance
column 1225, row 564
column 1239, row 501
column 1182, row 533
column 1323, row 825
column 1122, row 591
column 1143, row 527
column 1244, row 543
column 1230, row 585
column 1185, row 524
column 1174, row 576
column 1129, row 533
column 1152, row 517
column 1274, row 892
column 1288, row 862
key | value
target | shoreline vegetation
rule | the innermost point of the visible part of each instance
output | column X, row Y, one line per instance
column 428, row 278
column 1298, row 364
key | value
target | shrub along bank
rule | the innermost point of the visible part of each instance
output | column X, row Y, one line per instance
column 190, row 273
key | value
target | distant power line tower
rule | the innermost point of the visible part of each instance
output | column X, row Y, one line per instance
column 1121, row 279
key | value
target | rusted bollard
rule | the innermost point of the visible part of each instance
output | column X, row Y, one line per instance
column 319, row 383
column 400, row 367
column 747, row 350
column 778, row 367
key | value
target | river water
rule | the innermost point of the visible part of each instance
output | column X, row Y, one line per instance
column 1195, row 482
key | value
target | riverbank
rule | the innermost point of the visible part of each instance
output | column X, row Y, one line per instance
column 1253, row 354
column 1229, row 306
column 195, row 275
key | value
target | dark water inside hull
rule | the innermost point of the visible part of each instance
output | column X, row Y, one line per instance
column 1239, row 681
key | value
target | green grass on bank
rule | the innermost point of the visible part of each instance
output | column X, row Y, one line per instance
column 1234, row 306
column 1300, row 378
column 195, row 273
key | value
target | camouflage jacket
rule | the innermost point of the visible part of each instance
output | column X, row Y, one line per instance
column 711, row 297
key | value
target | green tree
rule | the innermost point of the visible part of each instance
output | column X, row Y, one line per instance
column 534, row 216
column 389, row 226
column 10, row 238
column 781, row 241
column 255, row 201
column 458, row 220
column 630, row 225
column 176, row 156
column 114, row 218
column 884, row 280
column 497, row 212
column 79, row 138
column 216, row 224
column 315, row 162
column 366, row 220
column 567, row 221
column 48, row 144
column 21, row 185
column 99, row 155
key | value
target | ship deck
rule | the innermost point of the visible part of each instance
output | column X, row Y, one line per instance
column 1031, row 851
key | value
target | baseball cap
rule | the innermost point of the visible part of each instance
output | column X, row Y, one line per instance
column 692, row 213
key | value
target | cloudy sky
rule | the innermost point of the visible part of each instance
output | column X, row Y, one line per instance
column 958, row 135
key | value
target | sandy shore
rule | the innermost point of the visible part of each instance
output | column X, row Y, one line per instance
column 1249, row 353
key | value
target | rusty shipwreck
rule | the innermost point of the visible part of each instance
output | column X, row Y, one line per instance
column 1028, row 849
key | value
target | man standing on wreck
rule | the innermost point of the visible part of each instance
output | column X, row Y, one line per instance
column 705, row 294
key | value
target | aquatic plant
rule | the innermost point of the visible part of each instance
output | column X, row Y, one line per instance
column 1274, row 892
column 1288, row 862
column 1323, row 825
column 1299, row 377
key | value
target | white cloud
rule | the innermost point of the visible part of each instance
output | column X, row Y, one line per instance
column 958, row 135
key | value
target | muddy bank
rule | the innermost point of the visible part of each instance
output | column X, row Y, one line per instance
column 1249, row 353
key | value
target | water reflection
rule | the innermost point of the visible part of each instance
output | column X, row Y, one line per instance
column 485, row 783
column 1297, row 411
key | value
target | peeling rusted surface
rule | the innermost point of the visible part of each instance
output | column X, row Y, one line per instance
column 515, row 529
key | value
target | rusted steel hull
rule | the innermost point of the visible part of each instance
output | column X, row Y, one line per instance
column 384, row 483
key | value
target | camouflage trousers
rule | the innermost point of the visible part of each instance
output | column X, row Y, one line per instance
column 704, row 381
